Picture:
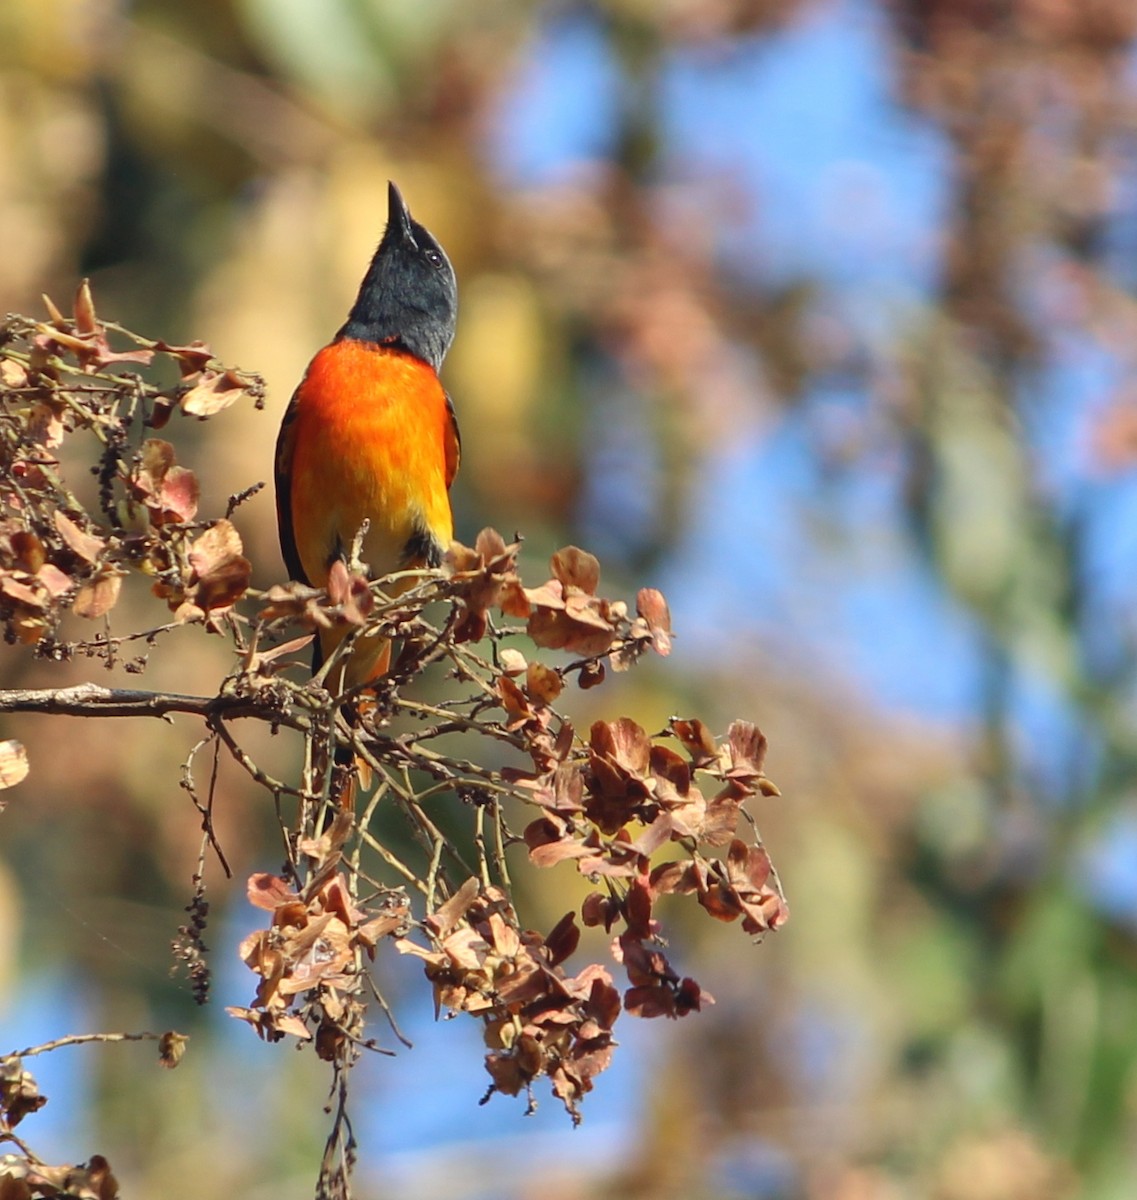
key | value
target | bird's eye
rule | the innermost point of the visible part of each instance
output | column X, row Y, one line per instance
column 434, row 258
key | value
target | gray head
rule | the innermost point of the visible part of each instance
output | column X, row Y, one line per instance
column 409, row 296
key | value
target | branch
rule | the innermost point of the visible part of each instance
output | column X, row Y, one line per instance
column 92, row 700
column 80, row 1039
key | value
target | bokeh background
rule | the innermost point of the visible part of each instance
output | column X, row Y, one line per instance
column 817, row 314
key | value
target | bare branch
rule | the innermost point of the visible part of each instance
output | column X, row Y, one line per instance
column 93, row 700
column 80, row 1039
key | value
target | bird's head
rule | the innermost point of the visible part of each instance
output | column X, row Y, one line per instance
column 409, row 296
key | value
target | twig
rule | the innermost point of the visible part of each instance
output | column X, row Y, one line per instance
column 452, row 722
column 78, row 1039
column 392, row 860
column 365, row 820
column 6, row 1135
column 274, row 785
column 386, row 1010
column 206, row 810
column 339, row 1149
column 93, row 700
column 432, row 872
column 480, row 842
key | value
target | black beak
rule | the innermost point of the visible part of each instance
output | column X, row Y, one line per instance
column 398, row 215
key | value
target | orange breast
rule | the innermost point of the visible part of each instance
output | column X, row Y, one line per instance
column 371, row 436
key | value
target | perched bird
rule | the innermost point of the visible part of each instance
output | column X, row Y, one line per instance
column 370, row 434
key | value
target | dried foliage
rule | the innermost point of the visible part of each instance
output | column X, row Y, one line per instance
column 25, row 1176
column 642, row 816
column 58, row 556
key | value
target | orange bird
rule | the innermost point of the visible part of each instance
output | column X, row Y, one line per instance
column 370, row 433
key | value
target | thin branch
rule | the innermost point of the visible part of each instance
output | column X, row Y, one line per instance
column 6, row 1135
column 93, row 700
column 385, row 1008
column 392, row 860
column 480, row 843
column 206, row 810
column 276, row 786
column 78, row 1039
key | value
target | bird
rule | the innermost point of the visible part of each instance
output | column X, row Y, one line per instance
column 370, row 434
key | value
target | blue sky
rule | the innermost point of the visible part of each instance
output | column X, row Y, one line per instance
column 845, row 187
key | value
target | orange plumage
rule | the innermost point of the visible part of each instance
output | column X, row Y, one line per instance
column 370, row 434
column 373, row 438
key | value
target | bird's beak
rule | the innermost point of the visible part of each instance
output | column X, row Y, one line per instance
column 398, row 215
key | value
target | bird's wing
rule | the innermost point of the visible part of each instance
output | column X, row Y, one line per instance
column 285, row 448
column 453, row 444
